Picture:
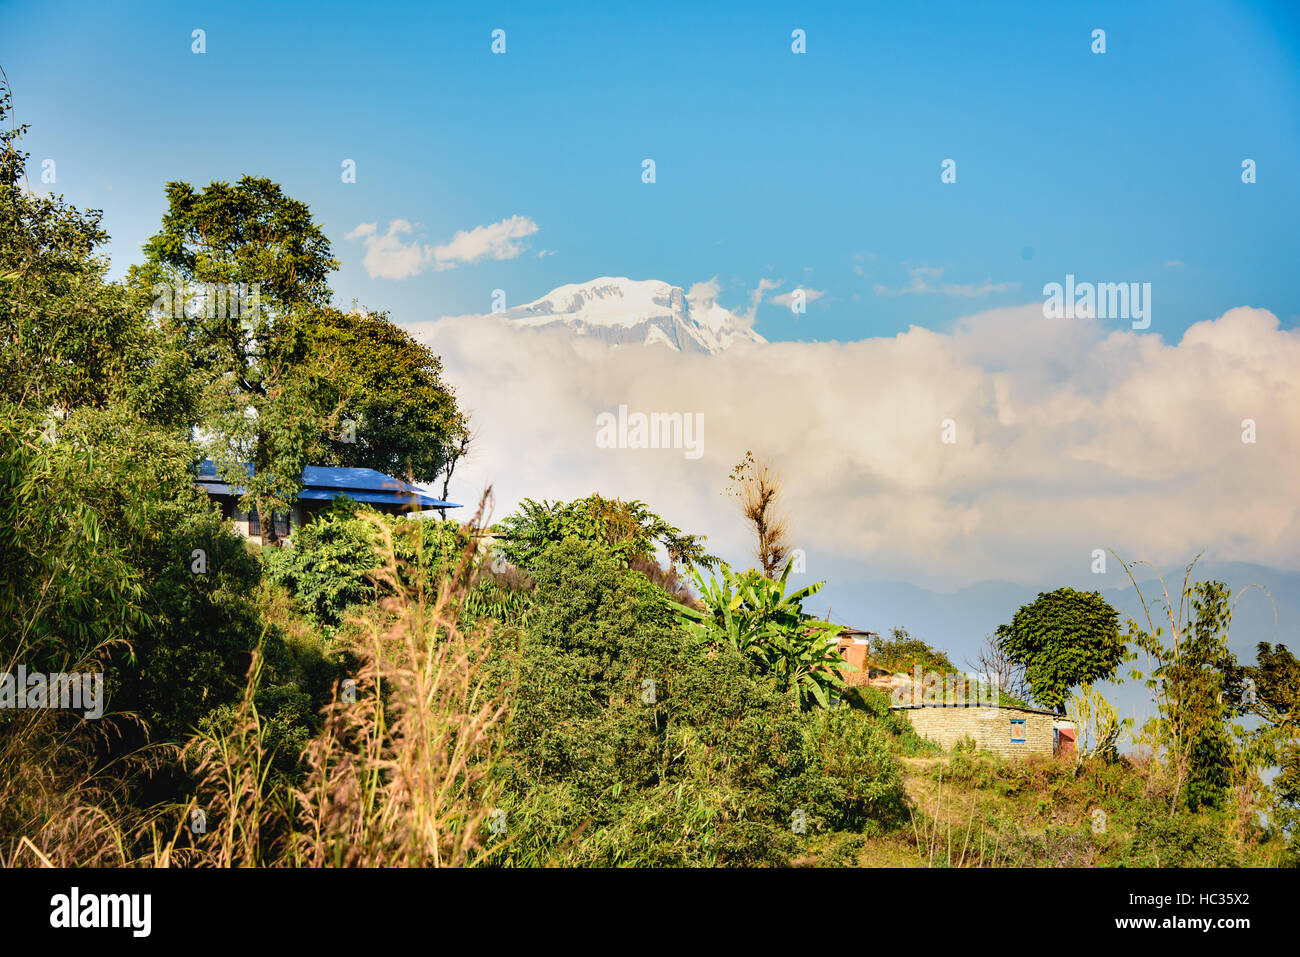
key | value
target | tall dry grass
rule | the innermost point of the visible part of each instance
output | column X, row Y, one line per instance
column 398, row 775
column 63, row 801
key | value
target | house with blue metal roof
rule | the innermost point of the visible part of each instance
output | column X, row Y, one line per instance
column 321, row 486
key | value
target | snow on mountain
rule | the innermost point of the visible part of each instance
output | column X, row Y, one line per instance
column 641, row 312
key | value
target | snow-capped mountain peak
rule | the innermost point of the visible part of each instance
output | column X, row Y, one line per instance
column 642, row 312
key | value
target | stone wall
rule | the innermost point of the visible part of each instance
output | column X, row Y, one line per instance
column 989, row 727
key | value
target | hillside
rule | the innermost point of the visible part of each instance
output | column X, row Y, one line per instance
column 975, row 810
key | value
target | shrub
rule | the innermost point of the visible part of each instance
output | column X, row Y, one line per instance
column 628, row 530
column 1183, row 840
column 902, row 652
column 786, row 646
column 903, row 738
column 631, row 744
column 861, row 779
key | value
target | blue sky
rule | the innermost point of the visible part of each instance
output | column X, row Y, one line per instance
column 821, row 169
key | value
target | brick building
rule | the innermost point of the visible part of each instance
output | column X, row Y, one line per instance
column 854, row 646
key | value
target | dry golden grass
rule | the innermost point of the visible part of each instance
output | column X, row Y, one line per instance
column 397, row 777
column 61, row 804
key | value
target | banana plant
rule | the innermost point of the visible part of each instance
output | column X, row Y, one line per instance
column 753, row 614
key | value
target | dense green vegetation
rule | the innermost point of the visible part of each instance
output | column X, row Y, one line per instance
column 581, row 684
column 1063, row 639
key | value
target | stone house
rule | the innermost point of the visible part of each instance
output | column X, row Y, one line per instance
column 1002, row 730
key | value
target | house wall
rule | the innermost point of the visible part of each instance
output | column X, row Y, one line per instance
column 989, row 727
column 300, row 513
column 231, row 512
column 854, row 651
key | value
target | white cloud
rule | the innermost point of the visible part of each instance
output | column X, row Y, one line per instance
column 1070, row 438
column 922, row 282
column 497, row 241
column 388, row 256
column 974, row 291
column 756, row 296
column 703, row 297
column 787, row 298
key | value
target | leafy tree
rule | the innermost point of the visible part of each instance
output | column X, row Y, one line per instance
column 69, row 338
column 1192, row 676
column 325, row 566
column 287, row 380
column 901, row 652
column 1195, row 680
column 70, row 592
column 628, row 529
column 754, row 615
column 327, row 563
column 250, row 233
column 1063, row 638
column 113, row 555
column 1273, row 693
column 109, row 554
column 237, row 272
column 402, row 417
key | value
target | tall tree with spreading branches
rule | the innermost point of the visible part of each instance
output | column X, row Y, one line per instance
column 238, row 273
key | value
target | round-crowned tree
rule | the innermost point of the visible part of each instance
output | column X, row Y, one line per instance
column 1063, row 638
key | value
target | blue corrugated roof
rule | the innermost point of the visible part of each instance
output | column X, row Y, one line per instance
column 390, row 498
column 327, row 482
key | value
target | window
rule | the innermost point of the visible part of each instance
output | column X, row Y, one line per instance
column 1017, row 731
column 254, row 525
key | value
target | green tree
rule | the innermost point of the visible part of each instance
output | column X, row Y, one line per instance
column 1272, row 692
column 1063, row 638
column 237, row 271
column 103, row 529
column 1193, row 678
column 628, row 529
column 753, row 614
column 400, row 417
column 901, row 652
column 632, row 744
column 69, row 338
column 327, row 565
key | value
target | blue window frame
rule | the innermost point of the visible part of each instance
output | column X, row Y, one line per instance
column 1017, row 730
